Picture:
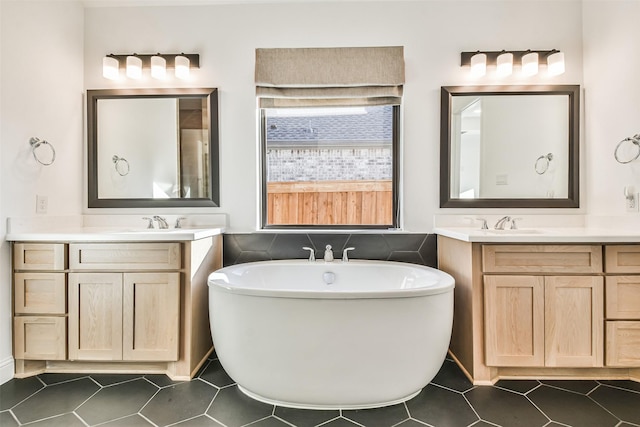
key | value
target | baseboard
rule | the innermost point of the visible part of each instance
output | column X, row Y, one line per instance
column 6, row 369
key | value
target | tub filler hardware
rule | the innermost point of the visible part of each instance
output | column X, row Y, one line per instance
column 408, row 307
column 328, row 253
column 345, row 258
column 312, row 254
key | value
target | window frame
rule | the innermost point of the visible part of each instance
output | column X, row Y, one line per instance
column 395, row 184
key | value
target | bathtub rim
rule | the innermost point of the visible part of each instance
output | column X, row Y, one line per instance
column 446, row 283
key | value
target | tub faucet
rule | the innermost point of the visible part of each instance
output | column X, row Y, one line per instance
column 328, row 253
column 502, row 222
column 162, row 223
column 312, row 255
column 345, row 258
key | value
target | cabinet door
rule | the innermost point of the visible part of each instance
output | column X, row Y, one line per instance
column 514, row 320
column 574, row 321
column 623, row 344
column 151, row 320
column 95, row 316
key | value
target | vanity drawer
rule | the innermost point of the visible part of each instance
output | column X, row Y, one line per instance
column 39, row 256
column 622, row 258
column 623, row 297
column 542, row 258
column 43, row 293
column 124, row 256
column 623, row 344
column 40, row 338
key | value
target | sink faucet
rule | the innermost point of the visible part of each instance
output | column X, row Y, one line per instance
column 345, row 258
column 312, row 255
column 328, row 253
column 501, row 222
column 162, row 223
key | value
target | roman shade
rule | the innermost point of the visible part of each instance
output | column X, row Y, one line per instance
column 323, row 77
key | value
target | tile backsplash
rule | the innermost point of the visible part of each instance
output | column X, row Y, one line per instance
column 416, row 248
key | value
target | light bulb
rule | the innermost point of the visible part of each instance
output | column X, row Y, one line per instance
column 504, row 64
column 182, row 67
column 478, row 65
column 555, row 64
column 158, row 67
column 134, row 67
column 110, row 68
column 530, row 64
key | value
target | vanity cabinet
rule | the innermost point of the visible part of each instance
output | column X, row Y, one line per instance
column 525, row 310
column 622, row 305
column 120, row 307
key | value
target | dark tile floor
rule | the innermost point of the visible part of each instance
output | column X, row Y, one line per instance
column 212, row 399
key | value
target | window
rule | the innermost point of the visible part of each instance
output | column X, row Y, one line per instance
column 329, row 135
column 330, row 167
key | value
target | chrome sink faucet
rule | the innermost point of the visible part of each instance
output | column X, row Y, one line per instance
column 162, row 223
column 345, row 257
column 502, row 222
column 312, row 254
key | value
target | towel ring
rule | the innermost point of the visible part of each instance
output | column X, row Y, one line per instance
column 635, row 139
column 121, row 164
column 542, row 167
column 35, row 144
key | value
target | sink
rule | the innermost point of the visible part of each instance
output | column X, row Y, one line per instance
column 517, row 231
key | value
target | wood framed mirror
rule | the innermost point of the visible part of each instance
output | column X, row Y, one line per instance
column 509, row 146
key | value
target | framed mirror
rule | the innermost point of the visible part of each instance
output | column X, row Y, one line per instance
column 509, row 146
column 153, row 148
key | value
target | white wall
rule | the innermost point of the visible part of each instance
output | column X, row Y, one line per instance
column 612, row 94
column 41, row 80
column 432, row 32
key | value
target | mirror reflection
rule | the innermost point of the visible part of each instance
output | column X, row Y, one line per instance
column 503, row 147
column 153, row 148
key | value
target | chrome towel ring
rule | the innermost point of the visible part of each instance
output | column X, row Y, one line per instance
column 121, row 164
column 42, row 158
column 635, row 140
column 542, row 163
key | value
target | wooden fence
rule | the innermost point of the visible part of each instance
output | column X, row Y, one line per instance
column 330, row 203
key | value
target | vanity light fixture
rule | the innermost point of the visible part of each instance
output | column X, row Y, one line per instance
column 182, row 67
column 134, row 64
column 530, row 64
column 504, row 64
column 110, row 67
column 503, row 60
column 479, row 64
column 134, row 67
column 555, row 63
column 158, row 67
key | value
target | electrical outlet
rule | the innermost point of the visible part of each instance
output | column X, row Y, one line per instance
column 631, row 203
column 41, row 204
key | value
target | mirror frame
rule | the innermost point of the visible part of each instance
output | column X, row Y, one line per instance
column 93, row 96
column 573, row 194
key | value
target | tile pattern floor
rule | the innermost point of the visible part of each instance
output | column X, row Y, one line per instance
column 213, row 399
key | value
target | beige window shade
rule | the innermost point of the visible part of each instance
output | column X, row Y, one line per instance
column 308, row 77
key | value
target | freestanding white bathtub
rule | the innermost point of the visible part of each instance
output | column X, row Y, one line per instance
column 318, row 335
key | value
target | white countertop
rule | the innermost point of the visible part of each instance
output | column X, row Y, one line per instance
column 108, row 228
column 543, row 235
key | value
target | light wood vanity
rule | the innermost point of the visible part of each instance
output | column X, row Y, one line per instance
column 544, row 310
column 120, row 307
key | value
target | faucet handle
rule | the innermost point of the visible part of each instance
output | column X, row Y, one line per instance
column 484, row 225
column 345, row 258
column 179, row 222
column 150, row 223
column 312, row 253
column 514, row 226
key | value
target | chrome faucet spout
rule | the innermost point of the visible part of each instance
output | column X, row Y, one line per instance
column 328, row 253
column 312, row 253
column 502, row 222
column 345, row 257
column 162, row 223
